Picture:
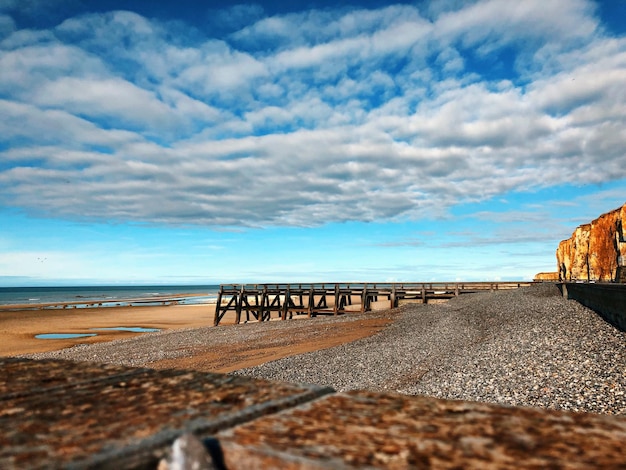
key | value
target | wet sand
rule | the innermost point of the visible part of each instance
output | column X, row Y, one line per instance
column 276, row 341
column 19, row 327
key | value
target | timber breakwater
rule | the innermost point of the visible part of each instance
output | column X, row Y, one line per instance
column 260, row 301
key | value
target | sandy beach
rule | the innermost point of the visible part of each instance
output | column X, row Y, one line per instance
column 18, row 327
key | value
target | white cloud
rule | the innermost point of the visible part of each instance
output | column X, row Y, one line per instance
column 218, row 71
column 113, row 98
column 93, row 28
column 587, row 84
column 33, row 126
column 27, row 69
column 492, row 23
column 397, row 37
column 190, row 108
column 308, row 118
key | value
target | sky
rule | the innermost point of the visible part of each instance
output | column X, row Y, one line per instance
column 201, row 142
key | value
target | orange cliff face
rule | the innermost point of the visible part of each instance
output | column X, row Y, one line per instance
column 595, row 251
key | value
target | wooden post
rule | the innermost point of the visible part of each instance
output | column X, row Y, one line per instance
column 393, row 297
column 238, row 302
column 456, row 289
column 286, row 303
column 364, row 299
column 216, row 318
column 336, row 306
column 264, row 300
column 311, row 301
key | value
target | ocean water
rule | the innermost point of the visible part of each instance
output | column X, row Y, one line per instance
column 109, row 295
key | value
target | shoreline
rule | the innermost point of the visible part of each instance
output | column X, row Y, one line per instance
column 103, row 303
column 19, row 327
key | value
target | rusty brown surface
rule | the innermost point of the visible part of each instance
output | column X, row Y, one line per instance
column 372, row 430
column 57, row 414
column 63, row 412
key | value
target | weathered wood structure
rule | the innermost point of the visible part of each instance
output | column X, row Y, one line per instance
column 262, row 302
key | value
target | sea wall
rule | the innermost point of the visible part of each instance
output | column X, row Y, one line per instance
column 595, row 251
column 608, row 300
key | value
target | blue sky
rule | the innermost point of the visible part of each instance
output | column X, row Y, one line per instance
column 195, row 142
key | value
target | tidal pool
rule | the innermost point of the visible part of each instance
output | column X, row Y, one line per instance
column 64, row 335
column 132, row 329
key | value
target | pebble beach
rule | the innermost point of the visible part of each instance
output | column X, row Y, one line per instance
column 524, row 347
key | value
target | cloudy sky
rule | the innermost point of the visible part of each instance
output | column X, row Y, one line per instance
column 196, row 142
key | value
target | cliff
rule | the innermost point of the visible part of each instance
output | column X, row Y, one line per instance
column 595, row 251
column 546, row 277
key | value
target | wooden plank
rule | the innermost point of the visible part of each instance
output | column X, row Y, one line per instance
column 216, row 318
column 364, row 299
column 225, row 309
column 311, row 302
column 238, row 306
column 265, row 305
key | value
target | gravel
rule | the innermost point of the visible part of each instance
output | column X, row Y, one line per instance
column 523, row 347
column 140, row 351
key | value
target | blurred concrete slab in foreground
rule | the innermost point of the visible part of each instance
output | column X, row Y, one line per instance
column 82, row 415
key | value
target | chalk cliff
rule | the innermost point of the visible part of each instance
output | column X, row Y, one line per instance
column 595, row 251
column 546, row 277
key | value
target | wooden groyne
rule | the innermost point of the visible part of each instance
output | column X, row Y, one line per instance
column 263, row 302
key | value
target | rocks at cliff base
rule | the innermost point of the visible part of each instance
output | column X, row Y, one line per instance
column 595, row 251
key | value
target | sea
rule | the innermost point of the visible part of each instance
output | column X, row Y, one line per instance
column 109, row 296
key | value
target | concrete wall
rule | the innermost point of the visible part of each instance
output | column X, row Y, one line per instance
column 609, row 300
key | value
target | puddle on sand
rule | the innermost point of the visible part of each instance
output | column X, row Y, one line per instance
column 64, row 335
column 132, row 329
